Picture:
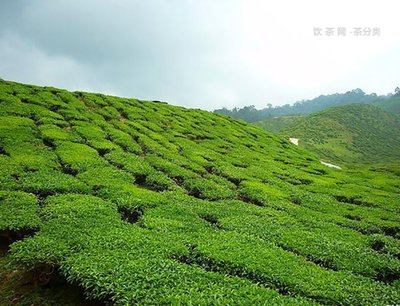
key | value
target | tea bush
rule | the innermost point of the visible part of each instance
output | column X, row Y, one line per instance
column 140, row 202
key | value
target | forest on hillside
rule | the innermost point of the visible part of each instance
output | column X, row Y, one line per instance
column 251, row 114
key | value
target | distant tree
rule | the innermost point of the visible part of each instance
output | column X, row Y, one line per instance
column 358, row 91
column 397, row 92
column 251, row 114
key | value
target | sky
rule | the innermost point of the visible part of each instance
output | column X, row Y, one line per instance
column 203, row 54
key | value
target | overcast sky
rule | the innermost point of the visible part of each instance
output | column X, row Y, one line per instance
column 202, row 53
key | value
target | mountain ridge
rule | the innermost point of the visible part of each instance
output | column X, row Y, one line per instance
column 251, row 114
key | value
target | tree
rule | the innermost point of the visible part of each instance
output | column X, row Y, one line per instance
column 397, row 92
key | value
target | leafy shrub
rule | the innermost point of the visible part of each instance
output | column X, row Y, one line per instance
column 207, row 189
column 259, row 193
column 48, row 182
column 124, row 140
column 19, row 210
column 105, row 176
column 147, row 203
column 78, row 157
column 51, row 133
column 134, row 164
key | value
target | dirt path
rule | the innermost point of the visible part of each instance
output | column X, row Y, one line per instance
column 295, row 141
column 330, row 165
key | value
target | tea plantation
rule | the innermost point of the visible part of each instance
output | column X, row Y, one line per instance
column 277, row 124
column 140, row 202
column 353, row 133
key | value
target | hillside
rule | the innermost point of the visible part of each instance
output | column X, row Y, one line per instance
column 391, row 105
column 251, row 114
column 275, row 125
column 138, row 202
column 352, row 133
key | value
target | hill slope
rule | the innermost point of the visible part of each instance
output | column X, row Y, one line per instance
column 251, row 114
column 391, row 105
column 145, row 203
column 275, row 125
column 352, row 133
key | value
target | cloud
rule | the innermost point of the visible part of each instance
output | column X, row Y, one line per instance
column 22, row 60
column 203, row 54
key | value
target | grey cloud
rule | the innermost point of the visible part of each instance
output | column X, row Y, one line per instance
column 192, row 53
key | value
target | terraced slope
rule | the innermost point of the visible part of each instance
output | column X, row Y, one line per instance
column 353, row 133
column 142, row 202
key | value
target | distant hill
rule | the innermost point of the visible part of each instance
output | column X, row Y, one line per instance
column 251, row 114
column 354, row 133
column 276, row 124
column 391, row 105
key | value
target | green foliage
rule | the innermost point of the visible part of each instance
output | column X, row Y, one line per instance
column 390, row 105
column 259, row 193
column 251, row 114
column 18, row 210
column 51, row 133
column 105, row 176
column 208, row 189
column 171, row 169
column 353, row 133
column 275, row 125
column 48, row 182
column 139, row 202
column 78, row 157
column 134, row 164
column 124, row 140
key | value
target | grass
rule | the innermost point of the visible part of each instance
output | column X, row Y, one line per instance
column 127, row 202
column 275, row 125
